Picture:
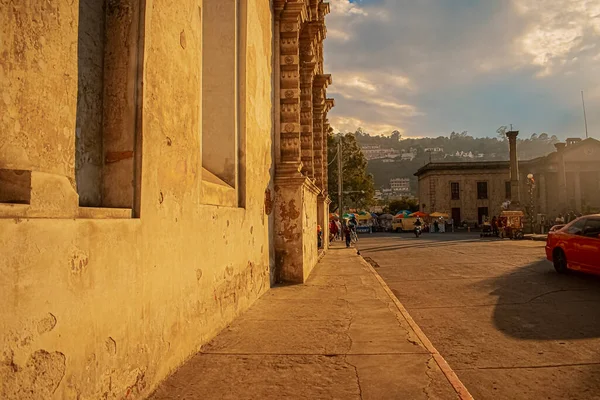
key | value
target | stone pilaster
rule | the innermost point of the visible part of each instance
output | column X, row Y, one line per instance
column 562, row 177
column 309, row 63
column 300, row 204
column 319, row 105
column 292, row 16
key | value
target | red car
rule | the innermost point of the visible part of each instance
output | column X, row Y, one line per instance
column 576, row 245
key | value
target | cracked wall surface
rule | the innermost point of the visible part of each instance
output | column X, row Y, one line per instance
column 106, row 308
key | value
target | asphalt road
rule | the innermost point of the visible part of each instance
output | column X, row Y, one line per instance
column 509, row 326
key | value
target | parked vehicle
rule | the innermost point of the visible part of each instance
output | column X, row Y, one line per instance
column 575, row 246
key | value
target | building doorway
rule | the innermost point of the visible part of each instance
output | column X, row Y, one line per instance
column 482, row 213
column 456, row 216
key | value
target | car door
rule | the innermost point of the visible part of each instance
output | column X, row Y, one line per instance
column 571, row 237
column 589, row 245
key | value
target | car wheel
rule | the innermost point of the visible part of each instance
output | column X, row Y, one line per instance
column 560, row 261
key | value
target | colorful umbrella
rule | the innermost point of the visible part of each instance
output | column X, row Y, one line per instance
column 439, row 215
column 419, row 214
column 333, row 216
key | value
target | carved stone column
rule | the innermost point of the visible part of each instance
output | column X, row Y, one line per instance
column 300, row 205
column 308, row 62
column 320, row 85
column 292, row 16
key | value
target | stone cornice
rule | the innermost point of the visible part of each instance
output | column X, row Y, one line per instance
column 329, row 103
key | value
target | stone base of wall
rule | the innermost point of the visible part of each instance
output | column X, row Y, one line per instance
column 296, row 220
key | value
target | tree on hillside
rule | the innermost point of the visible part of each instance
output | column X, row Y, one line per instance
column 502, row 132
column 404, row 203
column 357, row 183
column 396, row 136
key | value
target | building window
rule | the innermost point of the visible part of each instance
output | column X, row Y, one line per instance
column 222, row 70
column 482, row 215
column 508, row 190
column 455, row 191
column 482, row 190
column 108, row 104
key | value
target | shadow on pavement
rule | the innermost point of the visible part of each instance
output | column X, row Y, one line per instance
column 408, row 241
column 536, row 303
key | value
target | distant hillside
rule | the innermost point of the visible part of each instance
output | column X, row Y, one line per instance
column 455, row 147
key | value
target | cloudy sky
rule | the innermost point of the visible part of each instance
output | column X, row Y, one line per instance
column 428, row 67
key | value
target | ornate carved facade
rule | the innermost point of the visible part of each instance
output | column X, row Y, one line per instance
column 301, row 162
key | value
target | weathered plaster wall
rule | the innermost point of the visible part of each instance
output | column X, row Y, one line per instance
column 38, row 71
column 107, row 308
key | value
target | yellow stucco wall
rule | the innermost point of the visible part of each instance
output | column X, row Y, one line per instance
column 94, row 307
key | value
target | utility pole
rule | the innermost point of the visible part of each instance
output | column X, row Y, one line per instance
column 340, row 185
column 584, row 116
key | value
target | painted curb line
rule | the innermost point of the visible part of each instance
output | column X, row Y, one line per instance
column 457, row 385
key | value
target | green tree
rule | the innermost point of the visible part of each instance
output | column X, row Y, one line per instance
column 405, row 203
column 358, row 185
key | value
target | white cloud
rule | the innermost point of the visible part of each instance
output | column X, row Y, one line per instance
column 557, row 29
column 465, row 64
column 345, row 7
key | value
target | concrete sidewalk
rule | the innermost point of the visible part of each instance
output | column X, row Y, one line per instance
column 339, row 336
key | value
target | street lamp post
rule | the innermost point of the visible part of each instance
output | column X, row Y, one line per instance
column 531, row 184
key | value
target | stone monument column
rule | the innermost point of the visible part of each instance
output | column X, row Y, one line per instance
column 515, row 190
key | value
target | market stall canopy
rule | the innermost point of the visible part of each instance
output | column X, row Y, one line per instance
column 439, row 215
column 419, row 214
column 348, row 216
column 406, row 213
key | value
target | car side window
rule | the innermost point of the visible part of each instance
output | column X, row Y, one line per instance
column 592, row 227
column 576, row 227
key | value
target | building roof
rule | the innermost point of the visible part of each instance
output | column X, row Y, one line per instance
column 466, row 165
column 470, row 165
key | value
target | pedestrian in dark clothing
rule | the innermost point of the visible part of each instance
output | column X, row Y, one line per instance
column 495, row 226
column 347, row 235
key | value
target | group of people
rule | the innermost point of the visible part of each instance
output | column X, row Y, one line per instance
column 339, row 231
column 500, row 227
column 571, row 216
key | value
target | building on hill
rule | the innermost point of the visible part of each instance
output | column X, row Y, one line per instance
column 400, row 185
column 376, row 152
column 407, row 156
column 565, row 180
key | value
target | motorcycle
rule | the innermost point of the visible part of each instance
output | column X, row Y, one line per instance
column 418, row 231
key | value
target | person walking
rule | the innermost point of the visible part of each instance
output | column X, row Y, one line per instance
column 495, row 226
column 333, row 230
column 347, row 233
